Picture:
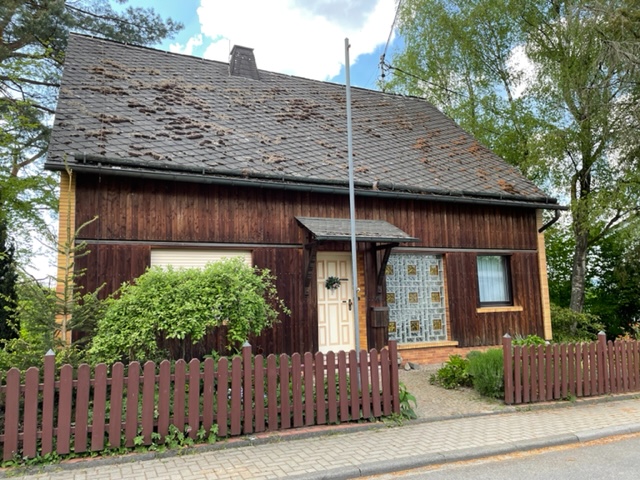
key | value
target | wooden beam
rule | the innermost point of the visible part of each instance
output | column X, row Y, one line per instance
column 385, row 259
column 310, row 255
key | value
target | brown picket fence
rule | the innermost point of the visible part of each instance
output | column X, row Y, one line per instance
column 552, row 372
column 90, row 409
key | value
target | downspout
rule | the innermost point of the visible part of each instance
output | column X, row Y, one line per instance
column 555, row 218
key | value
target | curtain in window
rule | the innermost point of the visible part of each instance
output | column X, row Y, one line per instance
column 493, row 282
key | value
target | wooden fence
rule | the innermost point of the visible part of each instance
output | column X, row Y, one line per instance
column 552, row 372
column 87, row 409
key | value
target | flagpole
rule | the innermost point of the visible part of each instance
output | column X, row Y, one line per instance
column 352, row 201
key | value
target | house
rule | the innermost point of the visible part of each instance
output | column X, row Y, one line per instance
column 186, row 160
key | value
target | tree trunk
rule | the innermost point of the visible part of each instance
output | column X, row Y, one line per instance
column 579, row 271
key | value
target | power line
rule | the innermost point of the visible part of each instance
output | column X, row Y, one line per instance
column 386, row 66
column 384, row 52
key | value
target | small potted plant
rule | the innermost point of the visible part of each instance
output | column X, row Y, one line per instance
column 332, row 283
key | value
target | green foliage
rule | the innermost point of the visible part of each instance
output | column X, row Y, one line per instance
column 453, row 374
column 487, row 371
column 407, row 403
column 529, row 340
column 8, row 280
column 185, row 304
column 570, row 326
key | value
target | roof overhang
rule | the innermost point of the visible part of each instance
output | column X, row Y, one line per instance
column 339, row 229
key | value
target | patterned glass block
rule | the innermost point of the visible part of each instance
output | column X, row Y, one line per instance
column 415, row 296
column 388, row 270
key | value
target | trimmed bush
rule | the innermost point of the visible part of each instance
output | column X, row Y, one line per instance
column 487, row 372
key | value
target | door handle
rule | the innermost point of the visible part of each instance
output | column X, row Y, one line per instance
column 349, row 302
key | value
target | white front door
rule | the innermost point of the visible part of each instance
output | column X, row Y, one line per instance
column 335, row 307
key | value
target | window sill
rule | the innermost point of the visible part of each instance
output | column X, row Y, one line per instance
column 510, row 308
column 444, row 343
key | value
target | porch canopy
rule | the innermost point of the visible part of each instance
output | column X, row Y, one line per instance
column 380, row 232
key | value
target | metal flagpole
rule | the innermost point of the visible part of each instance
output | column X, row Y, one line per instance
column 352, row 201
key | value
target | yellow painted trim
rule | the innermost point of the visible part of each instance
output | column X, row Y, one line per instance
column 514, row 308
column 448, row 343
column 66, row 229
column 544, row 281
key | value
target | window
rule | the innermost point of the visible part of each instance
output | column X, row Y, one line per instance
column 494, row 280
column 186, row 258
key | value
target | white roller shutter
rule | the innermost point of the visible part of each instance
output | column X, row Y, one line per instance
column 188, row 258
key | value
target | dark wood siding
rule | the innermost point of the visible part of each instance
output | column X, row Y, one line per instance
column 142, row 213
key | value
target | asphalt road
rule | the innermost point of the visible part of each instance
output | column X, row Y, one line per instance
column 609, row 458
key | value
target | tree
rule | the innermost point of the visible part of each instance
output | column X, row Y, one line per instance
column 551, row 86
column 8, row 279
column 33, row 37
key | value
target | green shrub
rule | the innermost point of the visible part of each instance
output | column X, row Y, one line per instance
column 570, row 326
column 487, row 372
column 453, row 374
column 186, row 304
column 529, row 340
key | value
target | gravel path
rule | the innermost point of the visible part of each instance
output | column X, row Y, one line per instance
column 437, row 402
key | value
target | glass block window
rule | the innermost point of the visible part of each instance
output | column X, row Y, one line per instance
column 415, row 296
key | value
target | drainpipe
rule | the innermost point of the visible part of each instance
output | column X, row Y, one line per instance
column 555, row 218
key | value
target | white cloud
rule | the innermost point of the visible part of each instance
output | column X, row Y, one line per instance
column 304, row 38
column 187, row 49
column 522, row 69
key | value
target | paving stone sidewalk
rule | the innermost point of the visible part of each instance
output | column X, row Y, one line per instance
column 376, row 450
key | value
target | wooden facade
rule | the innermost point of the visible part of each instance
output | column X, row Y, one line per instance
column 137, row 214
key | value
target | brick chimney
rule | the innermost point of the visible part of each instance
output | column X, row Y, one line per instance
column 242, row 63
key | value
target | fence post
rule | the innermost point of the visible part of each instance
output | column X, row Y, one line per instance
column 48, row 395
column 395, row 381
column 508, row 369
column 602, row 362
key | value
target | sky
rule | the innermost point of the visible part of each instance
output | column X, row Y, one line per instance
column 297, row 37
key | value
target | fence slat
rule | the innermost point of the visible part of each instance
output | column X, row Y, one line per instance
column 99, row 407
column 115, row 402
column 548, row 358
column 507, row 358
column 395, row 380
column 222, row 396
column 296, row 389
column 613, row 385
column 376, row 406
column 207, row 395
column 517, row 371
column 309, row 406
column 332, row 396
column 542, row 384
column 355, row 388
column 272, row 393
column 342, row 386
column 593, row 368
column 526, row 374
column 82, row 408
column 133, row 398
column 11, row 414
column 194, row 397
column 64, row 410
column 321, row 399
column 247, row 390
column 259, row 379
column 148, row 400
column 364, row 384
column 556, row 372
column 30, row 429
column 48, row 397
column 386, row 380
column 236, row 396
column 164, row 397
column 586, row 380
column 285, row 408
column 179, row 382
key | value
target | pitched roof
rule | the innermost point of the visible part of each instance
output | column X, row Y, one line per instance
column 336, row 229
column 133, row 110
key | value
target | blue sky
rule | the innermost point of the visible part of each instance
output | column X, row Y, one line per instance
column 298, row 37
